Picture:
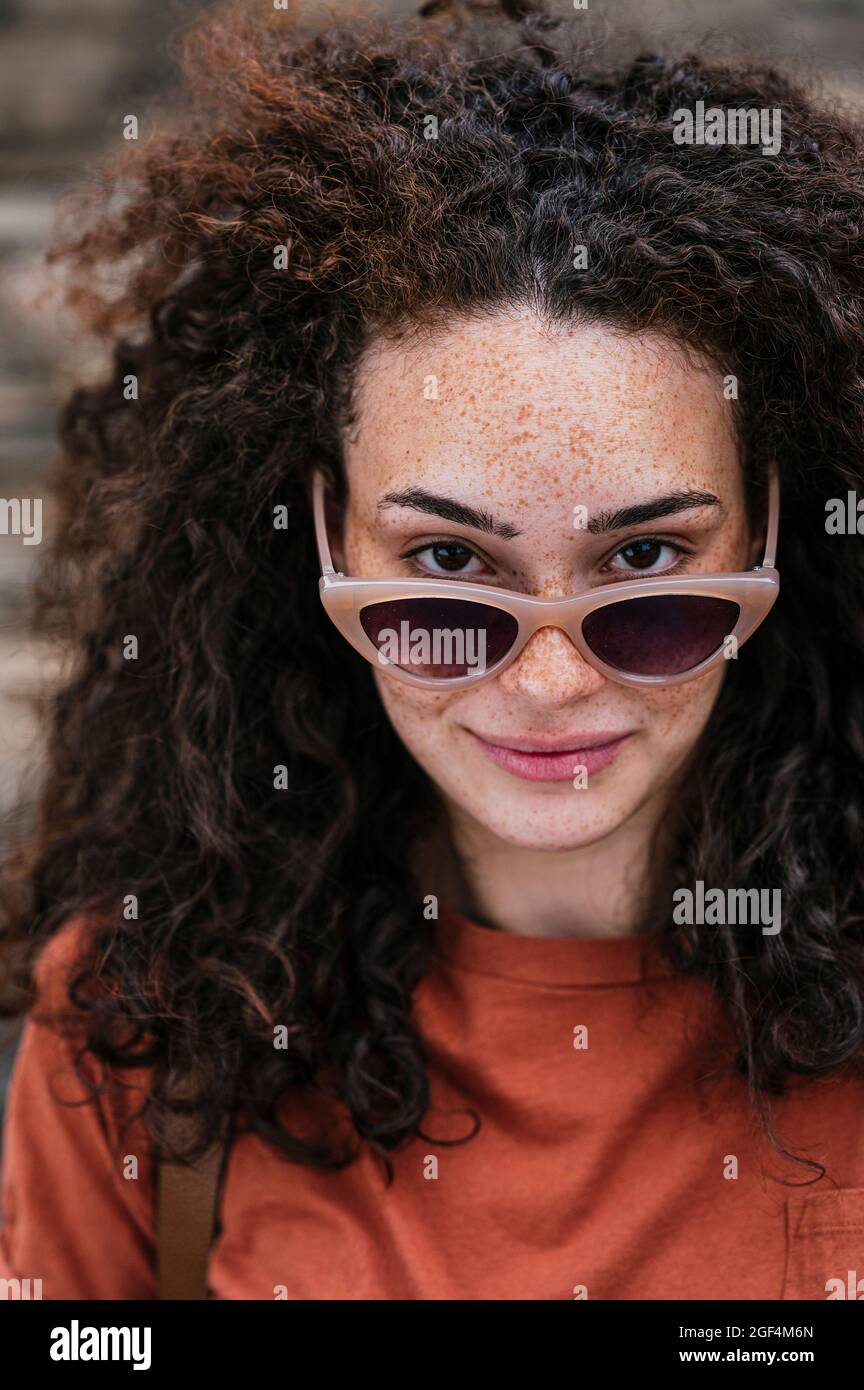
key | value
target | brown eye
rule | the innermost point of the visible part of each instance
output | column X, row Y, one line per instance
column 446, row 557
column 451, row 557
column 643, row 554
column 648, row 555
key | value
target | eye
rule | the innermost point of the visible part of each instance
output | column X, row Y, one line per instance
column 646, row 555
column 445, row 557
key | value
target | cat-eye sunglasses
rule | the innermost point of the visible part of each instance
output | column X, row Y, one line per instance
column 450, row 633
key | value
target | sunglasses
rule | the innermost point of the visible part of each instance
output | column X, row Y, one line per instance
column 447, row 633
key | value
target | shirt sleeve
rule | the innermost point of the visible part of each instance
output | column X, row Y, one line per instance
column 77, row 1189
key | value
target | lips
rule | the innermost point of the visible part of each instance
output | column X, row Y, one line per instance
column 555, row 759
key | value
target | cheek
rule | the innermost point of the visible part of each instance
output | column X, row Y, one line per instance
column 675, row 715
column 415, row 714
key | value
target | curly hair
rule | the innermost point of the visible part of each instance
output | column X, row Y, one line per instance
column 231, row 813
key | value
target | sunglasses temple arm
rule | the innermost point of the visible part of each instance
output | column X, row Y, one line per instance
column 773, row 522
column 324, row 555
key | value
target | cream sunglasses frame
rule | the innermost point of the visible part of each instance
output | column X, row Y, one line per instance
column 755, row 592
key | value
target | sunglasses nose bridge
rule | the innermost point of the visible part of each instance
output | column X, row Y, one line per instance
column 559, row 615
column 564, row 614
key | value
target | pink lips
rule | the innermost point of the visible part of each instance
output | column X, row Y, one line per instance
column 539, row 760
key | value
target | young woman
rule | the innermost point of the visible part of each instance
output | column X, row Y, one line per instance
column 445, row 815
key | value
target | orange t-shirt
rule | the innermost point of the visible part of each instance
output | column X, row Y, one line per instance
column 603, row 1167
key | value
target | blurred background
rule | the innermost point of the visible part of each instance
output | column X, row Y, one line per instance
column 70, row 70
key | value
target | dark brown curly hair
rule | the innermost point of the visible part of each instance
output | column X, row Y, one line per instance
column 259, row 904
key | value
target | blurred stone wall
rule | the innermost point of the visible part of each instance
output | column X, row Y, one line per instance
column 69, row 71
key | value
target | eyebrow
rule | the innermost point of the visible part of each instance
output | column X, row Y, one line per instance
column 450, row 510
column 667, row 505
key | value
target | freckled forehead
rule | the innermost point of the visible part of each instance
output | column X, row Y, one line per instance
column 510, row 400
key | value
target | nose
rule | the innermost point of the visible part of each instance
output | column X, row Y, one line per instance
column 549, row 671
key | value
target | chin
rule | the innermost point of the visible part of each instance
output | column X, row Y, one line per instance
column 544, row 821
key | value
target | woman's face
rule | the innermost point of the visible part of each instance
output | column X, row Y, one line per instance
column 526, row 424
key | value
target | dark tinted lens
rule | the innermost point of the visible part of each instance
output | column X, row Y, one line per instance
column 663, row 635
column 439, row 637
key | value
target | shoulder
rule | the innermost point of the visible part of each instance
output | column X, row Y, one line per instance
column 58, row 1028
column 62, row 957
column 77, row 1176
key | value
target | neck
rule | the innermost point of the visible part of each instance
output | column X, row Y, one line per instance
column 604, row 889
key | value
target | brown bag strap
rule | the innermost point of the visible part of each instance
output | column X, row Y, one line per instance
column 186, row 1217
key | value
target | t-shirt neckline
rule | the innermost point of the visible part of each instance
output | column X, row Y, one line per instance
column 617, row 960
